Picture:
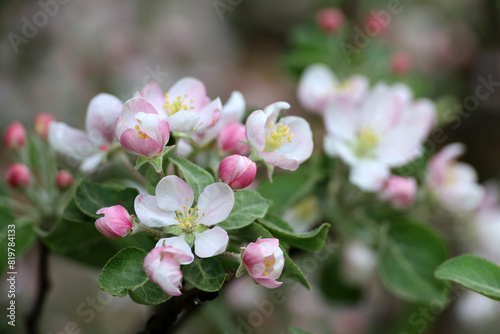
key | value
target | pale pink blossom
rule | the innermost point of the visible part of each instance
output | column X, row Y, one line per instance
column 140, row 129
column 237, row 171
column 185, row 106
column 231, row 137
column 284, row 143
column 264, row 262
column 163, row 267
column 383, row 131
column 89, row 148
column 41, row 124
column 399, row 191
column 172, row 205
column 116, row 223
column 64, row 179
column 330, row 20
column 15, row 136
column 318, row 85
column 18, row 176
column 454, row 184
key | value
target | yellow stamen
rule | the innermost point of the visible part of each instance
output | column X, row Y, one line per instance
column 275, row 138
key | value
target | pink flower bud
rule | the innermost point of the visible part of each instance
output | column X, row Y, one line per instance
column 401, row 63
column 399, row 191
column 18, row 176
column 229, row 139
column 264, row 262
column 15, row 136
column 376, row 23
column 163, row 267
column 237, row 171
column 41, row 124
column 64, row 180
column 116, row 222
column 330, row 20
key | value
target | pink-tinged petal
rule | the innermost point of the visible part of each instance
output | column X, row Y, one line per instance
column 340, row 119
column 237, row 171
column 267, row 282
column 154, row 95
column 399, row 191
column 147, row 147
column 254, row 256
column 173, row 193
column 301, row 147
column 272, row 111
column 184, row 257
column 211, row 242
column 102, row 112
column 369, row 175
column 207, row 114
column 317, row 83
column 120, row 127
column 279, row 160
column 149, row 213
column 255, row 130
column 162, row 268
column 156, row 128
column 115, row 223
column 90, row 164
column 71, row 142
column 268, row 246
column 136, row 105
column 194, row 88
column 439, row 163
column 357, row 86
column 215, row 203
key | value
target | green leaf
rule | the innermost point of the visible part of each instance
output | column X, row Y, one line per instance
column 157, row 161
column 312, row 241
column 248, row 206
column 40, row 164
column 123, row 275
column 152, row 179
column 205, row 274
column 290, row 270
column 408, row 258
column 90, row 197
column 195, row 176
column 293, row 330
column 472, row 272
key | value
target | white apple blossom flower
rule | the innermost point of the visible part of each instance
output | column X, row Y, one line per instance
column 318, row 85
column 453, row 183
column 384, row 130
column 88, row 148
column 283, row 143
column 173, row 205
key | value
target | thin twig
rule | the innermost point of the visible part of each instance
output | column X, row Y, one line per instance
column 33, row 318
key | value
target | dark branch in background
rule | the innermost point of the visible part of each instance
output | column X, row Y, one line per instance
column 494, row 23
column 33, row 318
column 350, row 8
column 165, row 318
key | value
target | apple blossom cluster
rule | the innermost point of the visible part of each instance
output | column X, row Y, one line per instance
column 184, row 120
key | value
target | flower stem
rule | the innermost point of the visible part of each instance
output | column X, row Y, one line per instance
column 44, row 284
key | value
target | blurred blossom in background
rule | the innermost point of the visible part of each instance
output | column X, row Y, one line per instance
column 56, row 55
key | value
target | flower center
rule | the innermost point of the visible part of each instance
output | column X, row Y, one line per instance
column 175, row 105
column 268, row 263
column 140, row 134
column 367, row 140
column 188, row 219
column 344, row 86
column 276, row 137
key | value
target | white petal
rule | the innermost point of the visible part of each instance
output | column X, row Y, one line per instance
column 179, row 243
column 255, row 130
column 173, row 193
column 211, row 242
column 148, row 212
column 102, row 112
column 215, row 203
column 272, row 111
column 234, row 109
column 369, row 175
column 340, row 119
column 90, row 164
column 316, row 85
column 71, row 142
